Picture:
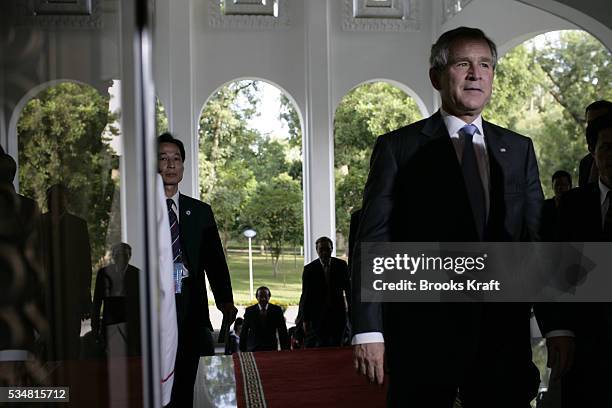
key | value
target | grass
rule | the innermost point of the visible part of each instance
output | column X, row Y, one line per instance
column 286, row 287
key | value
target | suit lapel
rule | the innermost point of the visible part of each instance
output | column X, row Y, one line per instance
column 594, row 222
column 188, row 228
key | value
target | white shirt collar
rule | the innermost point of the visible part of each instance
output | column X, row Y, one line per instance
column 453, row 123
column 263, row 308
column 603, row 192
column 175, row 199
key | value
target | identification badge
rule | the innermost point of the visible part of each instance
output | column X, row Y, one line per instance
column 180, row 272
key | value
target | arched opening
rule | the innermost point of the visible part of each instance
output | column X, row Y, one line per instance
column 250, row 165
column 541, row 90
column 366, row 112
column 68, row 137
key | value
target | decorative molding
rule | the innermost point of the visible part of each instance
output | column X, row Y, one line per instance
column 63, row 7
column 46, row 14
column 452, row 8
column 253, row 20
column 382, row 15
column 249, row 7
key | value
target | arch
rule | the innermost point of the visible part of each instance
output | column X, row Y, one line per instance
column 405, row 88
column 584, row 21
column 255, row 190
column 12, row 142
column 360, row 117
column 297, row 107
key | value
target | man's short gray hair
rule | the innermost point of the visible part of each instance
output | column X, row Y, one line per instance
column 440, row 51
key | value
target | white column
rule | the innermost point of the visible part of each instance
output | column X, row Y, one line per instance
column 319, row 200
column 182, row 116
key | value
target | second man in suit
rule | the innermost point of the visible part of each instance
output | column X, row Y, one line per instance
column 325, row 281
column 262, row 323
column 196, row 249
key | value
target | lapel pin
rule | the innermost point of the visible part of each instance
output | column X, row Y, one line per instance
column 188, row 212
column 503, row 150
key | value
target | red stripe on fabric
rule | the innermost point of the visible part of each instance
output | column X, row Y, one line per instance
column 168, row 377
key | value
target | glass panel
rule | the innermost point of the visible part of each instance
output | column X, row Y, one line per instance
column 71, row 270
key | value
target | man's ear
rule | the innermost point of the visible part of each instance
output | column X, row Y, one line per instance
column 434, row 77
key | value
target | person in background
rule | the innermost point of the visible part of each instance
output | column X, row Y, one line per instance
column 562, row 183
column 115, row 283
column 325, row 283
column 263, row 322
column 587, row 170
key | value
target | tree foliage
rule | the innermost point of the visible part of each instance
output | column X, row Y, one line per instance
column 363, row 114
column 249, row 178
column 541, row 90
column 61, row 140
column 276, row 209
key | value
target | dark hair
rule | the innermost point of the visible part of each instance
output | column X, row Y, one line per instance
column 598, row 105
column 262, row 288
column 8, row 168
column 239, row 320
column 596, row 126
column 55, row 190
column 561, row 173
column 440, row 51
column 324, row 239
column 121, row 246
column 168, row 138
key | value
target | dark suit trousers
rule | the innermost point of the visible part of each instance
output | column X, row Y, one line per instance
column 403, row 394
column 587, row 384
column 193, row 341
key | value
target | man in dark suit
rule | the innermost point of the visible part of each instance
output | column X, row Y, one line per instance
column 325, row 281
column 66, row 254
column 196, row 248
column 353, row 227
column 452, row 177
column 561, row 182
column 587, row 171
column 586, row 216
column 29, row 212
column 262, row 323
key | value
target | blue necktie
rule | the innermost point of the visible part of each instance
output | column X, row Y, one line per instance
column 174, row 232
column 473, row 182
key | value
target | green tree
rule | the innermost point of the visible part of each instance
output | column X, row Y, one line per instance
column 275, row 212
column 541, row 90
column 224, row 132
column 363, row 114
column 161, row 119
column 61, row 139
column 236, row 183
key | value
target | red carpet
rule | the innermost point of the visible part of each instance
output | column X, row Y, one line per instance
column 305, row 378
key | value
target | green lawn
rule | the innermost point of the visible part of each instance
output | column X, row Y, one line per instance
column 286, row 287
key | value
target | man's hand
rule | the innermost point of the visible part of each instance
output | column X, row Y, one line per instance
column 560, row 355
column 369, row 360
column 229, row 311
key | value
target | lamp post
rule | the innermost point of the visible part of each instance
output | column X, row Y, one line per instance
column 250, row 233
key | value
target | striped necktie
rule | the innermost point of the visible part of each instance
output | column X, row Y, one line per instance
column 473, row 182
column 174, row 232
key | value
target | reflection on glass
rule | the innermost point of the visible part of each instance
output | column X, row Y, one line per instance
column 215, row 383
